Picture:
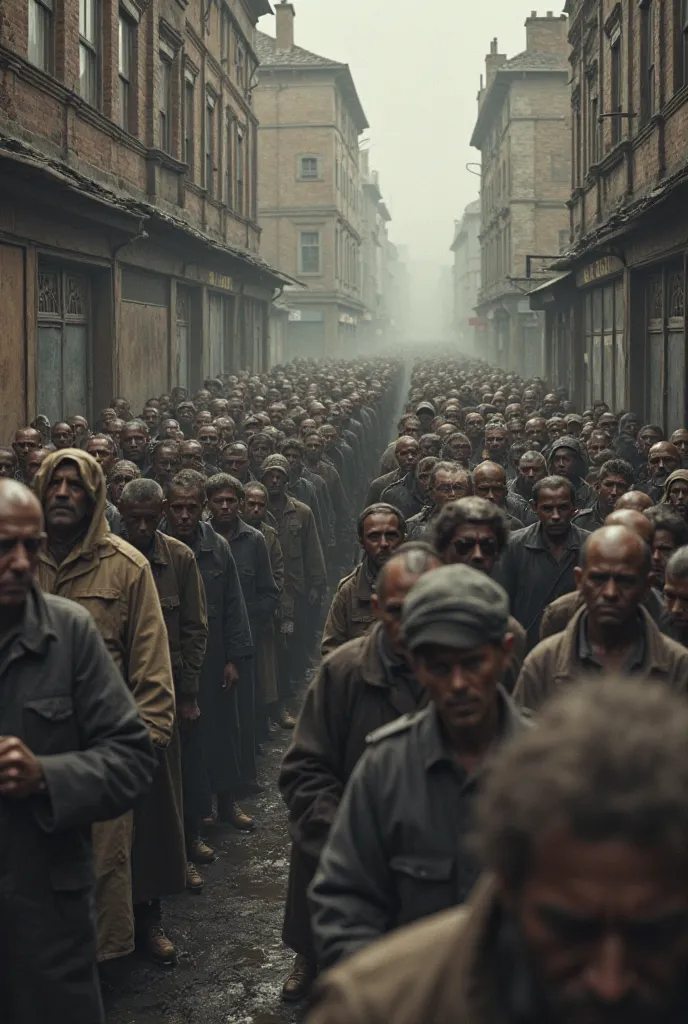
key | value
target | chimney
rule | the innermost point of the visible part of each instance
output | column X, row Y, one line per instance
column 285, row 14
column 493, row 61
column 548, row 34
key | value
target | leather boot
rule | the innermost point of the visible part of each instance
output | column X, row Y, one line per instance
column 298, row 984
column 159, row 947
column 200, row 852
column 194, row 882
column 228, row 811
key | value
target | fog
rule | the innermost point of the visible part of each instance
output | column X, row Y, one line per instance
column 417, row 69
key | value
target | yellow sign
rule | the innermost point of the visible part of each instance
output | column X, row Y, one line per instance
column 223, row 281
column 606, row 266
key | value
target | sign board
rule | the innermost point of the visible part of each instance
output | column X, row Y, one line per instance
column 294, row 316
column 223, row 281
column 477, row 321
column 605, row 266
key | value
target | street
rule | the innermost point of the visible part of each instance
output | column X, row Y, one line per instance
column 231, row 960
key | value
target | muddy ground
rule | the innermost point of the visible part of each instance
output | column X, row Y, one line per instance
column 231, row 960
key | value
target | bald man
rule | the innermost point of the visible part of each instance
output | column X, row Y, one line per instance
column 560, row 612
column 73, row 750
column 639, row 501
column 612, row 631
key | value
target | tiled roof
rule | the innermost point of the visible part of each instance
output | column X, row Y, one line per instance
column 267, row 53
column 536, row 62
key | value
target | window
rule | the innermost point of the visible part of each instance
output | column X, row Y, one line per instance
column 682, row 54
column 225, row 37
column 240, row 158
column 189, row 104
column 309, row 167
column 229, row 154
column 647, row 89
column 165, row 105
column 616, row 88
column 209, row 143
column 89, row 51
column 310, row 252
column 40, row 49
column 239, row 64
column 593, row 130
column 127, row 35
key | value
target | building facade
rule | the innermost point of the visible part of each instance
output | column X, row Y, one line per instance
column 523, row 133
column 375, row 275
column 616, row 316
column 309, row 187
column 468, row 328
column 128, row 212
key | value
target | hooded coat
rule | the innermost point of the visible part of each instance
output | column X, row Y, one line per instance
column 585, row 496
column 678, row 474
column 113, row 581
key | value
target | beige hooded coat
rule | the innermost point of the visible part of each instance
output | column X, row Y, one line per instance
column 113, row 581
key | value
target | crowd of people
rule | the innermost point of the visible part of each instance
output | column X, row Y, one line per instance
column 444, row 597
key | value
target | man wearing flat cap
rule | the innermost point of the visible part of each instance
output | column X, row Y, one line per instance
column 398, row 849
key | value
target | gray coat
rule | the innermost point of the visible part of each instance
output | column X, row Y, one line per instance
column 398, row 849
column 533, row 578
column 63, row 695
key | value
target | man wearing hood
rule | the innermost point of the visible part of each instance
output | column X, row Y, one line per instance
column 567, row 459
column 425, row 411
column 676, row 492
column 85, row 562
column 663, row 459
column 381, row 529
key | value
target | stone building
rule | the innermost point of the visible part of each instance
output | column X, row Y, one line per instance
column 468, row 328
column 128, row 208
column 523, row 134
column 375, row 275
column 616, row 315
column 309, row 187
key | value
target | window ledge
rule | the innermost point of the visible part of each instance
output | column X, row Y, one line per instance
column 166, row 160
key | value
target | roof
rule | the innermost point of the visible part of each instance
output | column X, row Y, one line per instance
column 525, row 63
column 270, row 58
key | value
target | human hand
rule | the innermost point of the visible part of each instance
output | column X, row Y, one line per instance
column 230, row 676
column 20, row 772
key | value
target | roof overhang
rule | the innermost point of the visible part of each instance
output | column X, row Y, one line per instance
column 545, row 294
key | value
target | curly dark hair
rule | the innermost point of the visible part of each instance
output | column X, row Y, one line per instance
column 469, row 510
column 221, row 482
column 380, row 506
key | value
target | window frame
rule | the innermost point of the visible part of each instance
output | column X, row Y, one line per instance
column 93, row 50
column 189, row 152
column 616, row 85
column 165, row 92
column 125, row 115
column 209, row 129
column 309, row 177
column 315, row 232
column 648, row 81
column 230, row 122
column 240, row 169
column 46, row 9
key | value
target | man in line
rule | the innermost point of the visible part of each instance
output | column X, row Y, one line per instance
column 343, row 527
column 226, row 498
column 87, row 563
column 305, row 576
column 407, row 452
column 405, row 494
column 180, row 589
column 670, row 533
column 612, row 632
column 614, row 479
column 213, row 748
column 74, row 750
column 582, row 829
column 26, row 440
column 447, row 482
column 381, row 529
column 532, row 466
column 662, row 460
column 473, row 531
column 398, row 849
column 133, row 442
column 165, row 462
column 489, row 482
column 539, row 561
column 567, row 459
column 364, row 685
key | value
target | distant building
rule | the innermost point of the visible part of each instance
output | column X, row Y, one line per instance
column 466, row 279
column 523, row 134
column 310, row 204
column 617, row 315
column 128, row 215
column 375, row 277
column 399, row 293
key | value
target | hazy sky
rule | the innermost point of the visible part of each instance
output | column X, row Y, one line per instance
column 417, row 68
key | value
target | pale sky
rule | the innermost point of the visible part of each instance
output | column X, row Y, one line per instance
column 417, row 68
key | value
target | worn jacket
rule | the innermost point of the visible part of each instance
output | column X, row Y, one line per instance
column 555, row 662
column 252, row 560
column 339, row 501
column 437, row 971
column 380, row 484
column 533, row 578
column 351, row 696
column 399, row 847
column 304, row 564
column 351, row 613
column 405, row 496
column 589, row 519
column 62, row 694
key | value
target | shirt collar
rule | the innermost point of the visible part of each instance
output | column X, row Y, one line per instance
column 435, row 748
column 636, row 657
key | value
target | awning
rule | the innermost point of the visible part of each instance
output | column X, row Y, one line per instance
column 551, row 283
column 544, row 294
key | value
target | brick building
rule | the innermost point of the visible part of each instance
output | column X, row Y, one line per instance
column 375, row 274
column 523, row 134
column 466, row 279
column 128, row 218
column 616, row 321
column 309, row 187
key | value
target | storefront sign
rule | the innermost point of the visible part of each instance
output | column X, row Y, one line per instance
column 294, row 316
column 605, row 266
column 223, row 281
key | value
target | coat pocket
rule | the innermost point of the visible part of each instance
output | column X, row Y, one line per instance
column 104, row 608
column 50, row 726
column 424, row 884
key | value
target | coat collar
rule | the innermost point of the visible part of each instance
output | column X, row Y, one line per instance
column 656, row 656
column 434, row 747
column 533, row 538
column 35, row 630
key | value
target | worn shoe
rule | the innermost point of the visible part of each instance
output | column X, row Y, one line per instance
column 298, row 984
column 233, row 815
column 200, row 852
column 194, row 882
column 159, row 947
column 210, row 821
column 286, row 719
